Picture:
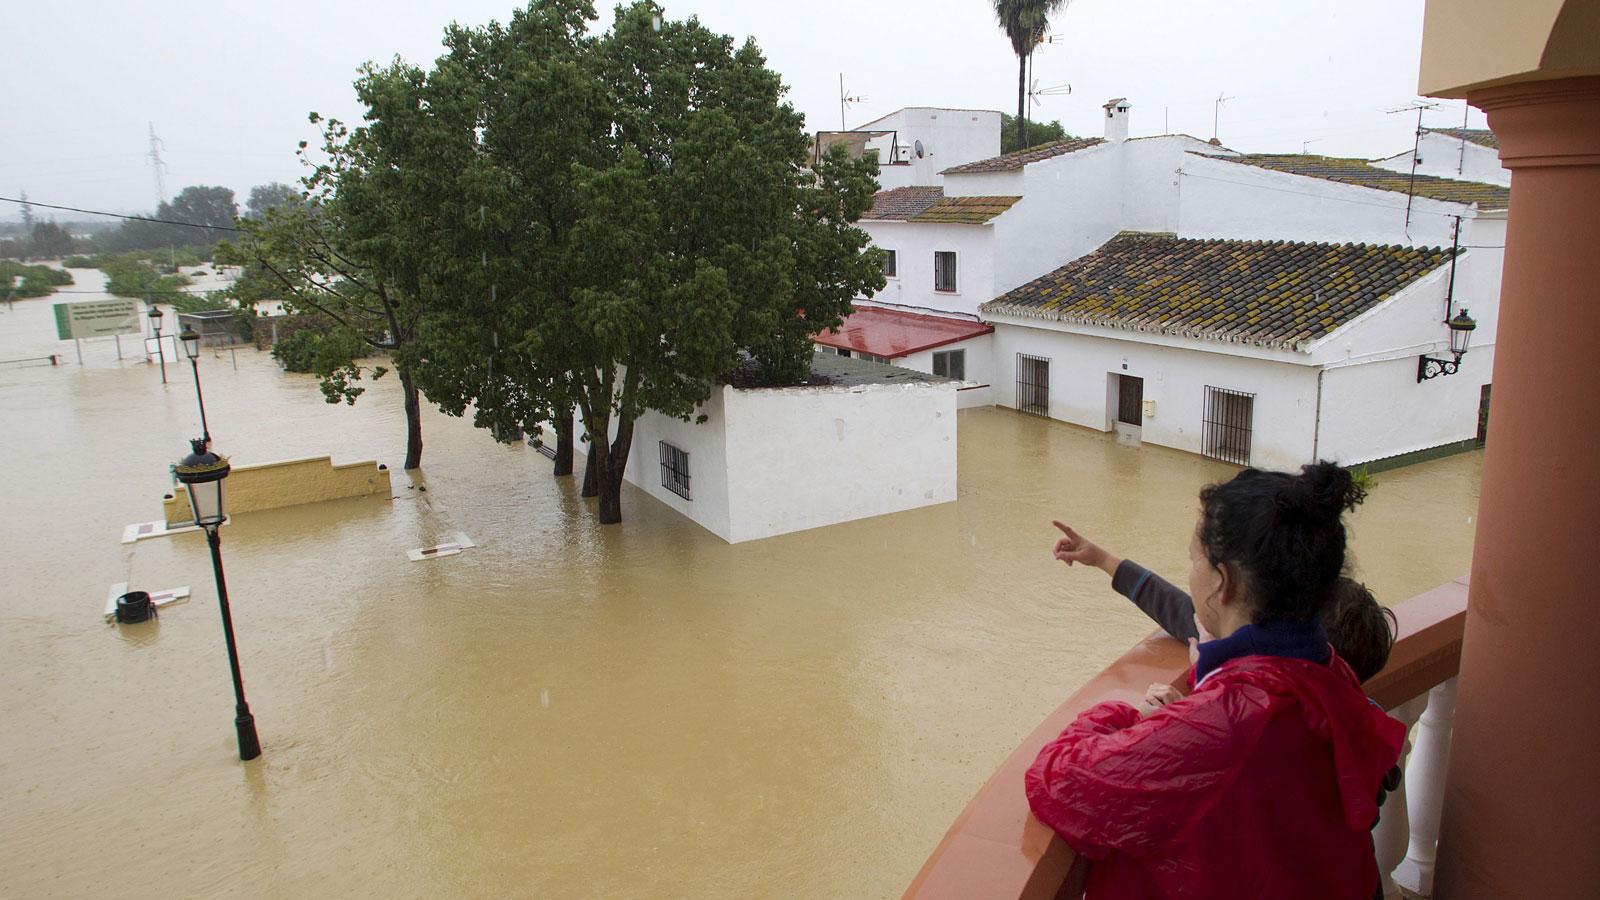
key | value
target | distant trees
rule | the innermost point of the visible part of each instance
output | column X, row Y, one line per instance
column 271, row 196
column 211, row 208
column 1024, row 23
column 50, row 241
column 1037, row 133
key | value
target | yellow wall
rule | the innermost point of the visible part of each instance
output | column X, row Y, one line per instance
column 288, row 483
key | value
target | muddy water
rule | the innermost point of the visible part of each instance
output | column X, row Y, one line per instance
column 567, row 710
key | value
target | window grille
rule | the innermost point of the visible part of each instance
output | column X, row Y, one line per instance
column 944, row 270
column 1033, row 384
column 675, row 470
column 950, row 364
column 1228, row 423
column 891, row 263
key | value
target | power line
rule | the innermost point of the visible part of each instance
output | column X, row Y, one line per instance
column 98, row 212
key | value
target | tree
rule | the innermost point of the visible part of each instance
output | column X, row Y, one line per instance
column 604, row 223
column 270, row 196
column 50, row 241
column 27, row 213
column 1037, row 133
column 1024, row 22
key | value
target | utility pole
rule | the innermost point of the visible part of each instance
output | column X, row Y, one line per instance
column 157, row 165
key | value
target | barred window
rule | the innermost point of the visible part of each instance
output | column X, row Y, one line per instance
column 950, row 364
column 944, row 270
column 891, row 263
column 1033, row 384
column 1229, row 418
column 675, row 470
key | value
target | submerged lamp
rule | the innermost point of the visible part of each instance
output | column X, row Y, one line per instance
column 202, row 473
column 191, row 341
column 1461, row 327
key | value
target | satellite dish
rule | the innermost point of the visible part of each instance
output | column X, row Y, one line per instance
column 916, row 148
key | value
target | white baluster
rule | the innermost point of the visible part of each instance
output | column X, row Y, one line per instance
column 1425, row 789
column 1389, row 839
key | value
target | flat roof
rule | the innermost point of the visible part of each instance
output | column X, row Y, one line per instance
column 893, row 333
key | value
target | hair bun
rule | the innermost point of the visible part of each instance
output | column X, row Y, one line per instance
column 1329, row 489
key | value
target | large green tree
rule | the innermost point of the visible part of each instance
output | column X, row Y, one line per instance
column 1024, row 23
column 606, row 223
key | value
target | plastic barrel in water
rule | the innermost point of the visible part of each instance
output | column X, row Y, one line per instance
column 133, row 606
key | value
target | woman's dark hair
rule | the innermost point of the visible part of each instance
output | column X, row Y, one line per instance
column 1281, row 535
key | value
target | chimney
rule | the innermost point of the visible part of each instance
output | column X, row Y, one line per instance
column 1117, row 119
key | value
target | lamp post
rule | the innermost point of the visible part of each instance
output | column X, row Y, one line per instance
column 1461, row 327
column 154, row 312
column 202, row 473
column 191, row 349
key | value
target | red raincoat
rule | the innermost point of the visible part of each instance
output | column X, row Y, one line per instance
column 1262, row 783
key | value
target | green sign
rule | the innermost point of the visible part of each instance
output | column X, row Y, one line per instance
column 97, row 318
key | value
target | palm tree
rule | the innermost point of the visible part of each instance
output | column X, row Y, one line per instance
column 1024, row 21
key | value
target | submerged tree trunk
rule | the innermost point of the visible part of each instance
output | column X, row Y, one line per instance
column 591, row 475
column 413, row 420
column 610, row 470
column 563, row 461
column 1022, row 94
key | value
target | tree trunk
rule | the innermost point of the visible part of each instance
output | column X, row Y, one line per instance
column 611, row 469
column 1022, row 94
column 563, row 442
column 413, row 420
column 591, row 474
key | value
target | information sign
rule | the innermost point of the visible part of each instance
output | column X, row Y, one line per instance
column 97, row 318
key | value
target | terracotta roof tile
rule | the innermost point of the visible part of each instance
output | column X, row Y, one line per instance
column 1483, row 137
column 929, row 204
column 1269, row 293
column 1361, row 173
column 1020, row 158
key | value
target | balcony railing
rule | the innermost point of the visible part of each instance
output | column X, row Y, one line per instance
column 997, row 850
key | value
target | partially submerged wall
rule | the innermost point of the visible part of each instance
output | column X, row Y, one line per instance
column 287, row 483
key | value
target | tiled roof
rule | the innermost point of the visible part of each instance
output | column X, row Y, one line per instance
column 1483, row 137
column 929, row 204
column 894, row 333
column 1020, row 158
column 1360, row 173
column 1269, row 293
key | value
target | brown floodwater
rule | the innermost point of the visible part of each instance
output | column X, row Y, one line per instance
column 567, row 710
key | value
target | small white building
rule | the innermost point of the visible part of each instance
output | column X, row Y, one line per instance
column 949, row 345
column 915, row 143
column 1469, row 154
column 875, row 439
column 1266, row 353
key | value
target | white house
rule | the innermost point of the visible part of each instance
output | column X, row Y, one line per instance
column 872, row 440
column 949, row 345
column 915, row 143
column 1471, row 154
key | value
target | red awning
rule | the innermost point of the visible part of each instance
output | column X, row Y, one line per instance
column 892, row 333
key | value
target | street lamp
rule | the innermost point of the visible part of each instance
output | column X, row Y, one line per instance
column 202, row 473
column 155, row 324
column 1461, row 327
column 191, row 349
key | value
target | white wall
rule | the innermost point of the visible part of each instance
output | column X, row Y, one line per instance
column 915, row 244
column 772, row 461
column 950, row 137
column 1176, row 372
column 1378, row 409
column 806, row 457
column 1446, row 157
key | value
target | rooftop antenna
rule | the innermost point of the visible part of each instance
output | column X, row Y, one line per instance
column 157, row 165
column 1216, row 113
column 1461, row 164
column 845, row 100
column 1305, row 146
column 1420, row 106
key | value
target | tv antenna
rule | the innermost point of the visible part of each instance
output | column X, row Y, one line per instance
column 156, row 165
column 1421, row 106
column 846, row 100
column 1216, row 113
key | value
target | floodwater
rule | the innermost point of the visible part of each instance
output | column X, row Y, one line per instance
column 568, row 710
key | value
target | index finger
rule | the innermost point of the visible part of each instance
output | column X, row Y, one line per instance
column 1064, row 529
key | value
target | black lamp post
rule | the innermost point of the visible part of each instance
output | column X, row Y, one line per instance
column 155, row 325
column 191, row 349
column 202, row 473
column 1461, row 327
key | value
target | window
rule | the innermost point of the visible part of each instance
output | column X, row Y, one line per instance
column 675, row 470
column 872, row 357
column 1228, row 421
column 1033, row 384
column 891, row 264
column 944, row 270
column 950, row 364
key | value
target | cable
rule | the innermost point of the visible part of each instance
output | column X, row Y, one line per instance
column 97, row 212
column 1183, row 174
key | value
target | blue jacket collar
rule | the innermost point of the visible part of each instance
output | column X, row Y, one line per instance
column 1296, row 640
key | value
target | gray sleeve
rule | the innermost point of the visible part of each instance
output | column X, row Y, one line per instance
column 1160, row 599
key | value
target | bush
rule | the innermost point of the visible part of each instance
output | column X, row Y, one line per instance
column 80, row 262
column 297, row 352
column 31, row 281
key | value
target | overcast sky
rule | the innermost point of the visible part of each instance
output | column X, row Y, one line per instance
column 227, row 85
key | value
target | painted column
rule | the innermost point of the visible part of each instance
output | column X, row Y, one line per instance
column 1522, row 804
